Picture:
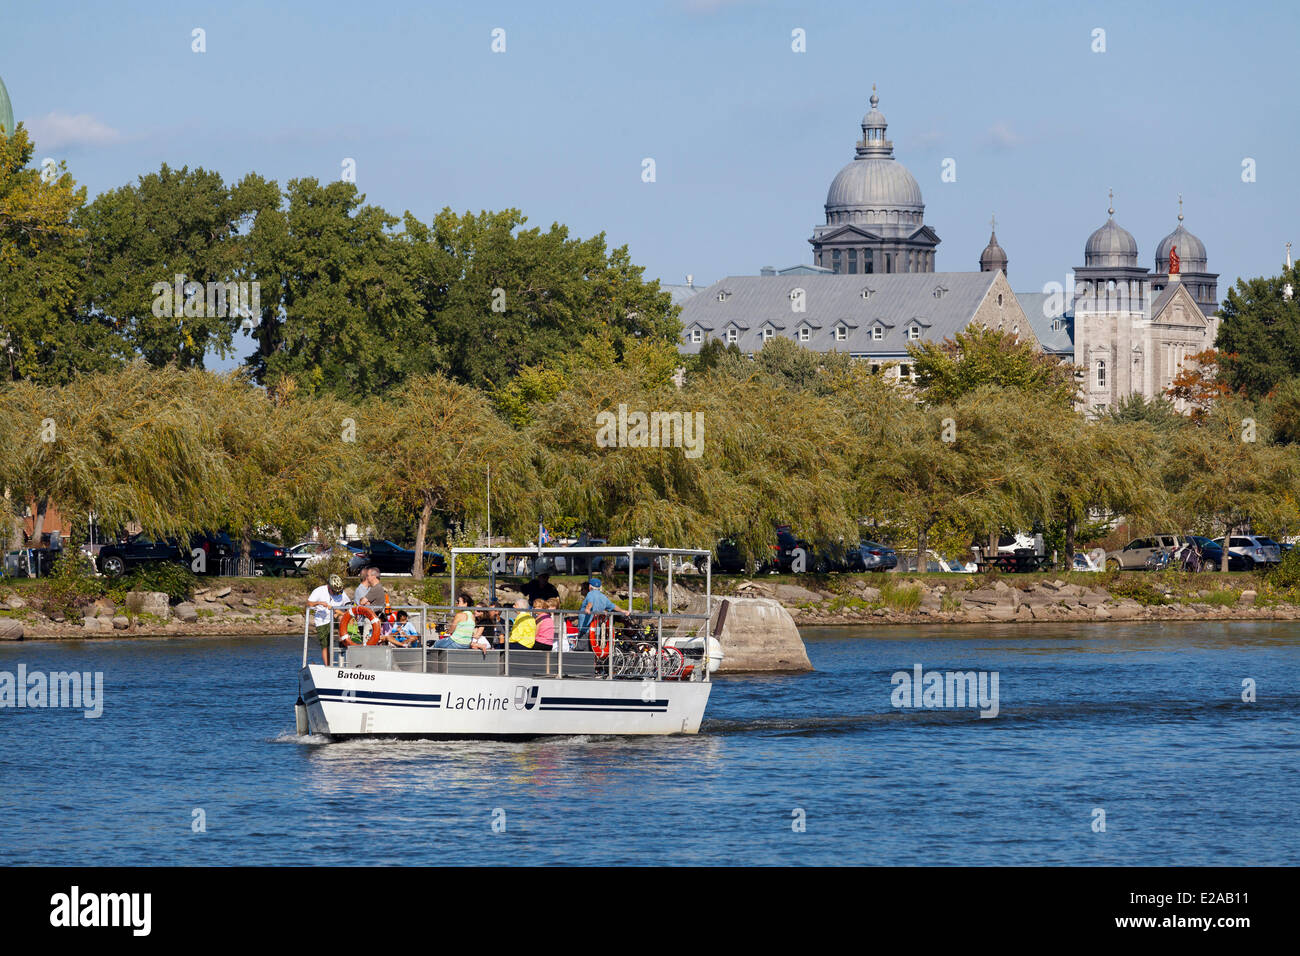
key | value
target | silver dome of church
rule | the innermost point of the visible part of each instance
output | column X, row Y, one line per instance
column 876, row 190
column 1111, row 245
column 1191, row 251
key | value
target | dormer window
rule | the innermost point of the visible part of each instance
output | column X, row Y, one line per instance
column 768, row 333
column 732, row 335
column 697, row 335
column 841, row 333
column 913, row 332
column 1057, row 325
column 804, row 333
column 867, row 292
column 939, row 292
column 877, row 333
column 722, row 296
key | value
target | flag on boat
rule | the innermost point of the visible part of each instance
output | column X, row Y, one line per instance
column 543, row 536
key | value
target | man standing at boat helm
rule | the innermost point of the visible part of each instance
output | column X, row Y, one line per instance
column 594, row 604
column 327, row 600
column 540, row 588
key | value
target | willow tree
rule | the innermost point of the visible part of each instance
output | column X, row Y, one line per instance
column 284, row 459
column 1226, row 472
column 430, row 448
column 127, row 445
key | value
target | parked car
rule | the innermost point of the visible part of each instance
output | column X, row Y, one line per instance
column 119, row 557
column 870, row 556
column 1133, row 556
column 1253, row 547
column 786, row 554
column 1212, row 556
column 727, row 558
column 391, row 558
column 308, row 553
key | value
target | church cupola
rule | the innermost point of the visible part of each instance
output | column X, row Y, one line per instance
column 994, row 257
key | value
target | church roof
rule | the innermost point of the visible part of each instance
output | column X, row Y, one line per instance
column 1055, row 329
column 857, row 303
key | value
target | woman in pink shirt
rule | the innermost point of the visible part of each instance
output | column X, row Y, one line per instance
column 545, row 639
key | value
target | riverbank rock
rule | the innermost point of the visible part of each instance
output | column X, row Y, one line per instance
column 185, row 612
column 14, row 602
column 149, row 602
column 1247, row 597
column 121, row 623
column 103, row 607
column 10, row 629
column 794, row 594
column 758, row 634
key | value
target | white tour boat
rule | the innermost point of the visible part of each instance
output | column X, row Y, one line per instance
column 634, row 672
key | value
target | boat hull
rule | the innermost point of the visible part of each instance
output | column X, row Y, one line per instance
column 352, row 702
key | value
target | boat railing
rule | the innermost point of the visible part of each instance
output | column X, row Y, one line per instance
column 621, row 645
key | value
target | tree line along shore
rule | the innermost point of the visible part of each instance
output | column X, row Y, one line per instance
column 397, row 361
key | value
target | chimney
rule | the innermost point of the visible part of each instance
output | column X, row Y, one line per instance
column 690, row 281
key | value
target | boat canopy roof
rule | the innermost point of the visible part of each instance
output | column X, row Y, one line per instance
column 561, row 551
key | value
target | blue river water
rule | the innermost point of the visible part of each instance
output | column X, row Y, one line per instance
column 194, row 761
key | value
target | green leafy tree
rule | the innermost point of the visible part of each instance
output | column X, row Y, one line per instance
column 45, row 333
column 1259, row 333
column 432, row 444
column 946, row 371
column 339, row 311
column 499, row 297
column 140, row 237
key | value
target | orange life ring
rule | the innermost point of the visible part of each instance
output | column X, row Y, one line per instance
column 357, row 612
column 601, row 648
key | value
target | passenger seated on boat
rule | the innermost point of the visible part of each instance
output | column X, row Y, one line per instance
column 545, row 639
column 593, row 605
column 490, row 626
column 465, row 634
column 524, row 630
column 404, row 633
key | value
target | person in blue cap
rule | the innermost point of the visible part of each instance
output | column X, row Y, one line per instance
column 594, row 604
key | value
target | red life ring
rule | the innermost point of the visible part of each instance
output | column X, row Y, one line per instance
column 358, row 612
column 594, row 630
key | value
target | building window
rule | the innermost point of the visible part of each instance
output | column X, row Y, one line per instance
column 1101, row 373
column 877, row 333
column 767, row 334
column 697, row 335
column 875, row 368
column 866, row 293
column 939, row 292
column 841, row 333
column 904, row 371
column 999, row 299
column 732, row 335
column 853, row 262
column 804, row 334
column 913, row 332
column 835, row 260
column 868, row 265
column 1057, row 325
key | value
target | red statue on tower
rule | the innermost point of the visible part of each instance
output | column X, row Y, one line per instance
column 1173, row 259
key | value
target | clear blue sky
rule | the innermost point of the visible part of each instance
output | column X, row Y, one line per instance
column 746, row 134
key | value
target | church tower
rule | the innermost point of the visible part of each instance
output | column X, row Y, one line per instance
column 6, row 112
column 875, row 218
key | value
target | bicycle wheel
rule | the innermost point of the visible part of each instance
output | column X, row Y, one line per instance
column 671, row 661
